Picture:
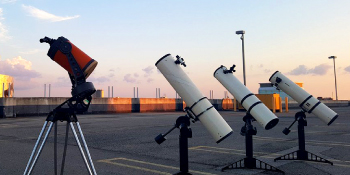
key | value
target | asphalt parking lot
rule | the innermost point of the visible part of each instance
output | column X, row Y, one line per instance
column 124, row 144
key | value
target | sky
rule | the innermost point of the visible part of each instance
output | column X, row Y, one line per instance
column 127, row 37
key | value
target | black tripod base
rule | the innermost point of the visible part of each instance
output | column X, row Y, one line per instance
column 183, row 173
column 252, row 163
column 303, row 155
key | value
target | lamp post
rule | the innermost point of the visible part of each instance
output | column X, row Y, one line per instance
column 242, row 32
column 335, row 76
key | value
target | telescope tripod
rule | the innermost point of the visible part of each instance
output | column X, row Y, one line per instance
column 249, row 162
column 301, row 154
column 75, row 104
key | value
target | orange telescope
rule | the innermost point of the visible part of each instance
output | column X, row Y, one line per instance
column 79, row 66
column 70, row 57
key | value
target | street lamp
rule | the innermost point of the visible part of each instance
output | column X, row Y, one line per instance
column 335, row 76
column 242, row 32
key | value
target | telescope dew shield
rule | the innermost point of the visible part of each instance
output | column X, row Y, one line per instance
column 60, row 51
column 247, row 99
column 306, row 101
column 199, row 105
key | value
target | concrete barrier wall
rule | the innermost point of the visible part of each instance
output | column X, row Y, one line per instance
column 12, row 107
column 330, row 103
column 217, row 103
column 227, row 104
column 157, row 104
column 111, row 105
column 36, row 106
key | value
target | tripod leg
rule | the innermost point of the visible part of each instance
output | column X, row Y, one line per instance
column 86, row 148
column 80, row 148
column 41, row 147
column 65, row 148
column 35, row 147
column 55, row 148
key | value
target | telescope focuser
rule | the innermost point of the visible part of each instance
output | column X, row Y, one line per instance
column 231, row 70
column 180, row 61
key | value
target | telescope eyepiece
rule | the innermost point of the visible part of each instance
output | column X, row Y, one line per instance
column 46, row 40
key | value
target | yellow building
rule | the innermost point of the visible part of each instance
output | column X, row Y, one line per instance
column 98, row 94
column 269, row 88
column 300, row 84
column 6, row 86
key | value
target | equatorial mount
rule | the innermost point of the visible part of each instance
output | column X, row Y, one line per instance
column 248, row 128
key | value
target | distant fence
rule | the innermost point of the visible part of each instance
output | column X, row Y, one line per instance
column 36, row 106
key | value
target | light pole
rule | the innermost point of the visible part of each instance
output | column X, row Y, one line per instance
column 242, row 32
column 335, row 76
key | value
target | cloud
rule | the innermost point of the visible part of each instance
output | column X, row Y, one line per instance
column 135, row 78
column 303, row 70
column 108, row 77
column 43, row 15
column 128, row 78
column 111, row 75
column 25, row 85
column 1, row 11
column 267, row 70
column 20, row 61
column 21, row 70
column 101, row 79
column 3, row 29
column 148, row 71
column 347, row 69
column 300, row 70
column 18, row 68
column 112, row 72
column 62, row 82
column 30, row 52
column 7, row 1
column 320, row 69
column 149, row 80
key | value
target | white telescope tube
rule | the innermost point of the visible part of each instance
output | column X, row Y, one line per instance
column 306, row 101
column 199, row 105
column 248, row 100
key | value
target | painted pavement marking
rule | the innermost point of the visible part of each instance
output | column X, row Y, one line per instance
column 113, row 161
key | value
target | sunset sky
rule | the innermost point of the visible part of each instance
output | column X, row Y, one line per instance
column 127, row 37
